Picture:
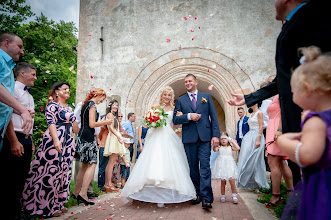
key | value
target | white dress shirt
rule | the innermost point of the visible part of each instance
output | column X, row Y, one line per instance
column 24, row 97
column 196, row 98
column 241, row 127
column 263, row 109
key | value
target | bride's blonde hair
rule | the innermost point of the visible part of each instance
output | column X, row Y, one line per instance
column 172, row 101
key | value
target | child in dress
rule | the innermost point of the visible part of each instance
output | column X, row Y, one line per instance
column 225, row 167
column 125, row 162
column 310, row 149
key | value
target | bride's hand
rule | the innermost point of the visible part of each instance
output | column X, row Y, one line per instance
column 179, row 113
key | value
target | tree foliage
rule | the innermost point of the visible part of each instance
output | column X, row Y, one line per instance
column 48, row 46
column 12, row 14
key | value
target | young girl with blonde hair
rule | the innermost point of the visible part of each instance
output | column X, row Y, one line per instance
column 310, row 149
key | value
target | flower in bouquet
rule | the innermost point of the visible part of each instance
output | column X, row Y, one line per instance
column 155, row 117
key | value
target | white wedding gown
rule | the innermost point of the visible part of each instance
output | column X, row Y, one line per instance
column 161, row 174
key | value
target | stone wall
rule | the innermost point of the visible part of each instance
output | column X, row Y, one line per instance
column 133, row 48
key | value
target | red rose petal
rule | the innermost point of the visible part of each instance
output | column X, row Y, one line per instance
column 168, row 40
column 180, row 46
column 195, row 18
column 110, row 89
column 91, row 77
column 42, row 134
column 208, row 70
column 41, row 108
column 199, row 27
column 193, row 38
column 90, row 35
column 72, row 213
column 192, row 30
column 185, row 18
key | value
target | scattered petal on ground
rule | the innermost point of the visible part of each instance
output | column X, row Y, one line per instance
column 168, row 40
column 37, row 61
column 213, row 66
column 190, row 16
column 180, row 47
column 210, row 87
column 199, row 27
column 91, row 77
column 211, row 15
column 90, row 35
column 192, row 30
column 208, row 70
column 195, row 18
column 72, row 213
column 185, row 18
column 192, row 38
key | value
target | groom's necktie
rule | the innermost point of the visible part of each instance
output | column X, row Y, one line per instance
column 194, row 101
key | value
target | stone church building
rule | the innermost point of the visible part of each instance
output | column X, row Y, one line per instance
column 134, row 48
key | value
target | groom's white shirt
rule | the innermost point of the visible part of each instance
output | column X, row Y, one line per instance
column 196, row 97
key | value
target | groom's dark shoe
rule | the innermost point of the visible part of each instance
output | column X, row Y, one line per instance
column 196, row 201
column 206, row 205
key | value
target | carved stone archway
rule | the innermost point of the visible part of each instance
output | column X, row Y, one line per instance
column 209, row 66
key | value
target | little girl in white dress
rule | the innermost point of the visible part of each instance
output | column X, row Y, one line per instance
column 225, row 167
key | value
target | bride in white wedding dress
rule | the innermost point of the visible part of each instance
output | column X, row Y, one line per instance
column 161, row 174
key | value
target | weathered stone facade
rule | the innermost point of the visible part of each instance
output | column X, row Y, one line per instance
column 133, row 48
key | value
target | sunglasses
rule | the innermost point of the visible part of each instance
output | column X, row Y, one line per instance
column 120, row 116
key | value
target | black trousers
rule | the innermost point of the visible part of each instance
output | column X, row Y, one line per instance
column 131, row 151
column 14, row 171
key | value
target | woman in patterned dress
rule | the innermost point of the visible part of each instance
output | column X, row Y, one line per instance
column 46, row 189
column 87, row 149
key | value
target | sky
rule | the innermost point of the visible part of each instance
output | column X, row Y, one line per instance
column 66, row 10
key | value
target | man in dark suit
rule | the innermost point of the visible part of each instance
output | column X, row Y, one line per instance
column 199, row 130
column 306, row 23
column 242, row 125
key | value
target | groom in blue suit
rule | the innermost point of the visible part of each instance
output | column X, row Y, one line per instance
column 199, row 130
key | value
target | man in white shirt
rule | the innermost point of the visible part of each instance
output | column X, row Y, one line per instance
column 18, row 159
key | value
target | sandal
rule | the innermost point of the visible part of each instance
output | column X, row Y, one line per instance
column 223, row 198
column 271, row 205
column 110, row 188
column 234, row 198
column 289, row 191
column 64, row 210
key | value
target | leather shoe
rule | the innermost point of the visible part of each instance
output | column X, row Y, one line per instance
column 206, row 205
column 196, row 201
column 92, row 195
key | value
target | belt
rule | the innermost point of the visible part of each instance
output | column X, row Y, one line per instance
column 25, row 136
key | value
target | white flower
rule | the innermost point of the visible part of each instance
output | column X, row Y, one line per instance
column 55, row 60
column 161, row 117
column 47, row 71
column 37, row 61
column 153, row 124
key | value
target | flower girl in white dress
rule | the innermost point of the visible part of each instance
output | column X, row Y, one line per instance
column 161, row 174
column 225, row 167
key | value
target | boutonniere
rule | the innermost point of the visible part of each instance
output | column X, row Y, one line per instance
column 204, row 100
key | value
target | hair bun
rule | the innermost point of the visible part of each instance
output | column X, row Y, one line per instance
column 311, row 53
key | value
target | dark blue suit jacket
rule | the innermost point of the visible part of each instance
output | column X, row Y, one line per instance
column 204, row 129
column 245, row 127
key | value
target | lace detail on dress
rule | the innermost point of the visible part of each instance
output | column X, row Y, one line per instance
column 253, row 121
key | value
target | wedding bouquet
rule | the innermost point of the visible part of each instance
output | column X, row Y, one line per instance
column 156, row 117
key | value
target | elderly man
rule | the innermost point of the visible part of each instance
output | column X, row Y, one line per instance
column 306, row 23
column 11, row 48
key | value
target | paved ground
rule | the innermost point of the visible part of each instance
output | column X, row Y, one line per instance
column 110, row 206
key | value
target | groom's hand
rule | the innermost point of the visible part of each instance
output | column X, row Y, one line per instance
column 215, row 141
column 195, row 116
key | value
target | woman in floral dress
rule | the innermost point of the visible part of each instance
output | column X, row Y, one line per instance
column 46, row 189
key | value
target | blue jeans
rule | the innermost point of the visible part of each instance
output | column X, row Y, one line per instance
column 103, row 161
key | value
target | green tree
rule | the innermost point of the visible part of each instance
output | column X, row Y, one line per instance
column 48, row 46
column 12, row 14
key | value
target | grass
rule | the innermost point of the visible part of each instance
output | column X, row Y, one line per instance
column 265, row 198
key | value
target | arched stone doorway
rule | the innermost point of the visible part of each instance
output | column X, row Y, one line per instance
column 209, row 66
